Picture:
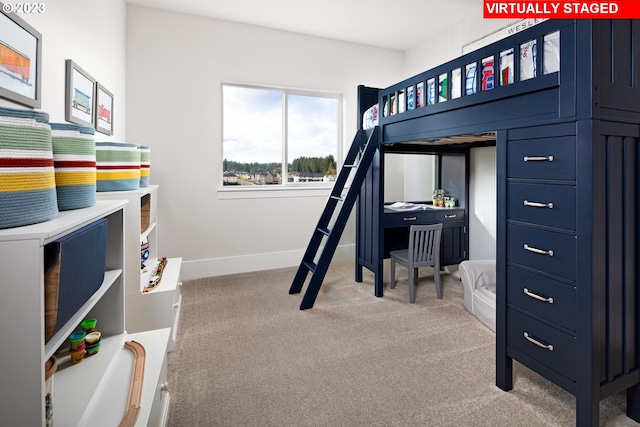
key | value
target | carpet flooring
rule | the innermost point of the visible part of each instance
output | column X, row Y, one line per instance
column 247, row 356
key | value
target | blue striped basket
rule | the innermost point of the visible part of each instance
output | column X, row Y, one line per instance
column 74, row 160
column 27, row 179
column 145, row 165
column 117, row 166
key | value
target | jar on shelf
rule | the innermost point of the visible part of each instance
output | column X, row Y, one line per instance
column 438, row 197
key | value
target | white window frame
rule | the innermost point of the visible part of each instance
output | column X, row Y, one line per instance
column 286, row 189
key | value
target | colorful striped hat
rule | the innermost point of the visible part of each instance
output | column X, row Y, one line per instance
column 74, row 160
column 27, row 180
column 118, row 166
column 145, row 165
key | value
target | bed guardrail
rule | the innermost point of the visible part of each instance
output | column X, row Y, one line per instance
column 528, row 61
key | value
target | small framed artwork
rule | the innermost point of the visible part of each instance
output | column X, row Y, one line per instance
column 104, row 110
column 80, row 95
column 20, row 60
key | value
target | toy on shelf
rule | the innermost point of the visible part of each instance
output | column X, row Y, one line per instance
column 155, row 279
column 144, row 253
column 135, row 388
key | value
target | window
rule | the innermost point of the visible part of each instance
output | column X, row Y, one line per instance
column 278, row 137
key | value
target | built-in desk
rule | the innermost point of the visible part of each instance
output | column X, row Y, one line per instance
column 396, row 230
column 381, row 230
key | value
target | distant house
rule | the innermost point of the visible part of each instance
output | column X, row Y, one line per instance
column 306, row 177
column 229, row 178
column 266, row 178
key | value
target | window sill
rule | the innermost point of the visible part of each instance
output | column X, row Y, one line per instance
column 266, row 192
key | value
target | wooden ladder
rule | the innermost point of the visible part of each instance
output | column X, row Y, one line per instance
column 336, row 211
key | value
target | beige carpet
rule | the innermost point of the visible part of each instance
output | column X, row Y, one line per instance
column 247, row 356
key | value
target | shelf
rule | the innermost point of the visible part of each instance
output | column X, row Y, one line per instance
column 22, row 316
column 160, row 307
column 138, row 192
column 64, row 223
column 170, row 276
column 85, row 397
column 145, row 233
column 61, row 336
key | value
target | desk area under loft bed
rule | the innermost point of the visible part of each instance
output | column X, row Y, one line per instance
column 376, row 238
column 566, row 136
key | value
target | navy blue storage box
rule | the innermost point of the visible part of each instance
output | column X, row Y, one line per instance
column 74, row 270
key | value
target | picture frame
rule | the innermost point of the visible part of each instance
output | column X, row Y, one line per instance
column 79, row 95
column 20, row 60
column 103, row 110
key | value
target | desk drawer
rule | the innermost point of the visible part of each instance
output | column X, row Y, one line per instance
column 542, row 250
column 551, row 205
column 547, row 158
column 448, row 215
column 547, row 298
column 406, row 219
column 542, row 342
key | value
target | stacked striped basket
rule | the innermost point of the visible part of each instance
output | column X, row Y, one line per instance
column 27, row 179
column 118, row 166
column 145, row 165
column 74, row 155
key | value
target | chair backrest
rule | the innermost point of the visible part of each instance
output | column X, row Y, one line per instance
column 424, row 244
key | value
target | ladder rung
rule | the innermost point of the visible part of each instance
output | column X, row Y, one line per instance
column 338, row 198
column 310, row 266
column 351, row 166
column 324, row 231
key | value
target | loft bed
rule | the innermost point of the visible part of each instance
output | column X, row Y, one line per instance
column 566, row 125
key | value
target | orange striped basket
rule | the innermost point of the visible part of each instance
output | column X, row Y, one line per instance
column 27, row 180
column 117, row 166
column 74, row 160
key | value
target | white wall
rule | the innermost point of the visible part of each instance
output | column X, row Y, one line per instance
column 175, row 66
column 92, row 34
column 445, row 46
column 482, row 203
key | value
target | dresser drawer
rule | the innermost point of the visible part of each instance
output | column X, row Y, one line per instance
column 553, row 253
column 551, row 205
column 448, row 215
column 544, row 297
column 405, row 219
column 548, row 158
column 542, row 342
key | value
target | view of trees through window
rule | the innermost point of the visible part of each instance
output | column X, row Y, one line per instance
column 279, row 137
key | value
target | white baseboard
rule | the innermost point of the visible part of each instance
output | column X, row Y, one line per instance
column 197, row 269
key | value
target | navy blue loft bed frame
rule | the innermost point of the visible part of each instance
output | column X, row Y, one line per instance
column 568, row 169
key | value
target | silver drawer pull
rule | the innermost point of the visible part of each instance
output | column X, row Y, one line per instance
column 536, row 296
column 538, row 343
column 451, row 216
column 538, row 159
column 538, row 205
column 537, row 251
column 412, row 218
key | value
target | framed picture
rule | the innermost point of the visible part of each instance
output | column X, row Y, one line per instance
column 80, row 95
column 104, row 110
column 20, row 60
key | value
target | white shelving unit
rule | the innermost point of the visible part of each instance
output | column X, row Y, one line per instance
column 159, row 308
column 80, row 392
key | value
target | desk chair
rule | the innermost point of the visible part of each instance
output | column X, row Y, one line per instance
column 423, row 251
